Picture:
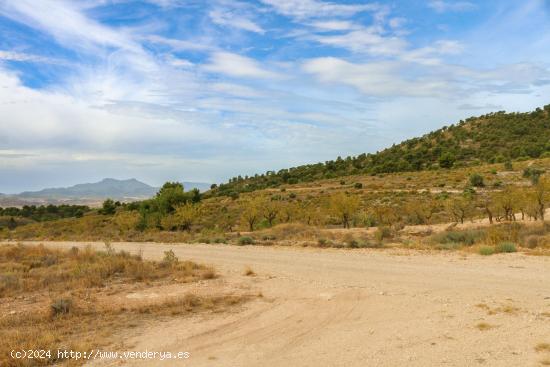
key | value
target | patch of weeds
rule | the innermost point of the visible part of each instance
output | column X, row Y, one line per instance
column 245, row 240
column 486, row 250
column 483, row 326
column 506, row 247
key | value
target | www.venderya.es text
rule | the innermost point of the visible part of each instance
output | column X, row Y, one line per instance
column 64, row 354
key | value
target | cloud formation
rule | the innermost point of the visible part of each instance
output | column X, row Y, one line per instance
column 170, row 89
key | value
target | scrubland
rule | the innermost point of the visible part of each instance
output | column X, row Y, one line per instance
column 81, row 298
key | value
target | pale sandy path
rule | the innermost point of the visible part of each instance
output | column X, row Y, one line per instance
column 359, row 308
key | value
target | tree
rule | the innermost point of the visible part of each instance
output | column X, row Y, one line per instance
column 460, row 207
column 170, row 195
column 12, row 224
column 108, row 208
column 487, row 202
column 185, row 215
column 542, row 195
column 447, row 160
column 251, row 212
column 344, row 207
column 270, row 209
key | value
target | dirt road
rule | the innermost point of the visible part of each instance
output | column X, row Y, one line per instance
column 360, row 308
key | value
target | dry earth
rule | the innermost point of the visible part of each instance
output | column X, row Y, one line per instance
column 358, row 308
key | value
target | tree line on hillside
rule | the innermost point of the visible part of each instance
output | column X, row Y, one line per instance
column 173, row 209
column 46, row 212
column 491, row 138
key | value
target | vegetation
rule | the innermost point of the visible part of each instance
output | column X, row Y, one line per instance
column 74, row 289
column 496, row 137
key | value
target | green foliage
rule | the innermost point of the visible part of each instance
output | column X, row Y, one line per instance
column 496, row 137
column 533, row 174
column 476, row 180
column 108, row 208
column 245, row 240
column 506, row 247
column 486, row 250
column 458, row 237
column 447, row 160
column 44, row 213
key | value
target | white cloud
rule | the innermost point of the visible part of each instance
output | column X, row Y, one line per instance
column 334, row 25
column 237, row 66
column 367, row 40
column 374, row 79
column 230, row 19
column 25, row 57
column 302, row 9
column 454, row 6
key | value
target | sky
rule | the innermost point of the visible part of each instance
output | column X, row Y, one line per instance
column 196, row 90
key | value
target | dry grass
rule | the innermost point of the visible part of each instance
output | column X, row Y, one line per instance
column 543, row 347
column 66, row 289
column 27, row 269
column 483, row 326
column 249, row 272
column 504, row 309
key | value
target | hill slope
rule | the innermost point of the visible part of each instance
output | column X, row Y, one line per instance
column 495, row 137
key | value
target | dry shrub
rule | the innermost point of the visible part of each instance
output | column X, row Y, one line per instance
column 72, row 319
column 36, row 268
column 292, row 231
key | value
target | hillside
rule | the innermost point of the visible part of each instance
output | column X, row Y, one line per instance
column 492, row 138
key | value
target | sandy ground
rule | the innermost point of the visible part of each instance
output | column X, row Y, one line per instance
column 358, row 308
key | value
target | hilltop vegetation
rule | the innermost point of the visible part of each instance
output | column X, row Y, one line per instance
column 493, row 138
column 453, row 183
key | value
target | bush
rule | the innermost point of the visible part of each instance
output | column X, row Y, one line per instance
column 486, row 250
column 532, row 242
column 506, row 247
column 323, row 242
column 245, row 240
column 458, row 237
column 170, row 258
column 383, row 233
column 476, row 180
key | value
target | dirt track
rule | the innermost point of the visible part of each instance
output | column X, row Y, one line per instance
column 360, row 308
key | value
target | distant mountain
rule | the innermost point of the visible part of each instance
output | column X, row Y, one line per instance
column 106, row 188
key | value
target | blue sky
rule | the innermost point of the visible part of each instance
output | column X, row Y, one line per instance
column 205, row 90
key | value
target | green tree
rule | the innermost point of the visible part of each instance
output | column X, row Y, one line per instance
column 447, row 160
column 344, row 207
column 108, row 207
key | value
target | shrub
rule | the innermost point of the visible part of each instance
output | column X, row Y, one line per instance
column 458, row 237
column 532, row 241
column 323, row 242
column 170, row 258
column 382, row 233
column 506, row 247
column 476, row 180
column 245, row 240
column 486, row 250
